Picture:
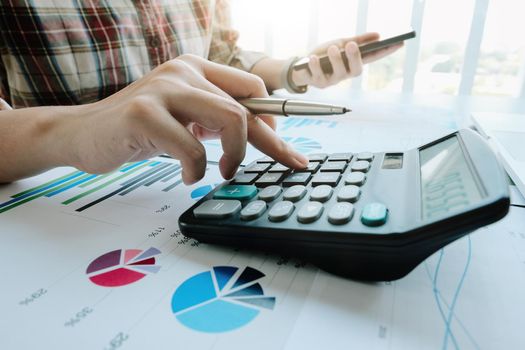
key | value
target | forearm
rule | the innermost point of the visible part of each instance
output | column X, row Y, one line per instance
column 32, row 140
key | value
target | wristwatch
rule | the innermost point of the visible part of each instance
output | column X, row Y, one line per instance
column 286, row 78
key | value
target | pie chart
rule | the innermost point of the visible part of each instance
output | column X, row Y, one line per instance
column 303, row 144
column 200, row 192
column 121, row 267
column 220, row 300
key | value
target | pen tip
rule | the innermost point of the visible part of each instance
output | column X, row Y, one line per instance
column 346, row 110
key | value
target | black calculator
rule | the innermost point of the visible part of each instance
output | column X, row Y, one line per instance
column 367, row 216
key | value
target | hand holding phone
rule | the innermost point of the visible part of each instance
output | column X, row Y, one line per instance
column 364, row 49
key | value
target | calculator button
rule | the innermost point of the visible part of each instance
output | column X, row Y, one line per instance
column 340, row 213
column 217, row 209
column 374, row 214
column 365, row 156
column 321, row 193
column 312, row 167
column 328, row 178
column 240, row 192
column 361, row 165
column 355, row 178
column 266, row 160
column 269, row 179
column 348, row 193
column 253, row 210
column 297, row 179
column 244, row 179
column 269, row 193
column 340, row 156
column 317, row 157
column 334, row 166
column 280, row 211
column 294, row 193
column 310, row 212
column 257, row 168
column 278, row 168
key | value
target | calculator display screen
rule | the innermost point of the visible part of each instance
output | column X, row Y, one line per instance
column 447, row 183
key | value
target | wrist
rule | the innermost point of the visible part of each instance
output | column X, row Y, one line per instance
column 300, row 77
column 57, row 130
column 290, row 79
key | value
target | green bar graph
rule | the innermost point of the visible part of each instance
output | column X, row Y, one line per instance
column 44, row 185
column 135, row 172
column 28, row 199
column 97, row 179
column 88, row 192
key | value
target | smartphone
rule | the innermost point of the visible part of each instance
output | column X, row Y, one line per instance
column 365, row 49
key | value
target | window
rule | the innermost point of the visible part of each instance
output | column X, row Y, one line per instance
column 293, row 27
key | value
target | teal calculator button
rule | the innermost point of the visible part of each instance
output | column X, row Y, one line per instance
column 374, row 214
column 239, row 192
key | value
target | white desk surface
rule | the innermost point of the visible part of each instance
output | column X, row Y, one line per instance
column 466, row 296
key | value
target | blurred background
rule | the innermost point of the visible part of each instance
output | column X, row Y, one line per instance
column 463, row 47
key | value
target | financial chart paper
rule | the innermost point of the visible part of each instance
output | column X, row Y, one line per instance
column 98, row 262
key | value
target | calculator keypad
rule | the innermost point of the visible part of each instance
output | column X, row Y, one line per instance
column 267, row 189
column 217, row 209
column 257, row 168
column 244, row 179
column 310, row 212
column 361, row 165
column 328, row 178
column 281, row 211
column 321, row 193
column 269, row 193
column 294, row 193
column 355, row 178
column 253, row 210
column 240, row 192
column 368, row 156
column 340, row 213
column 374, row 214
column 334, row 166
column 297, row 179
column 269, row 179
column 349, row 193
column 279, row 168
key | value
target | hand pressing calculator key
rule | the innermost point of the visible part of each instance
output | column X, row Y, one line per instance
column 367, row 216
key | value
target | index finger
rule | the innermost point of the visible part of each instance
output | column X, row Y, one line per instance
column 262, row 137
column 228, row 81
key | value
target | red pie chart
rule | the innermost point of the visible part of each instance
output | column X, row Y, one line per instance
column 122, row 266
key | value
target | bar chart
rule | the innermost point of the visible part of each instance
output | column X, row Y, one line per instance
column 128, row 178
column 293, row 122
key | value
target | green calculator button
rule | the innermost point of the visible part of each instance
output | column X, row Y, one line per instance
column 240, row 192
column 374, row 214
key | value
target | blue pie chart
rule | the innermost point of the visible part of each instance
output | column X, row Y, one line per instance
column 201, row 191
column 220, row 300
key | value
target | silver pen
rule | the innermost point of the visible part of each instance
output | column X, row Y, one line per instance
column 285, row 107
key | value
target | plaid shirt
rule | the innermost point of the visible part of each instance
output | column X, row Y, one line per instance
column 63, row 52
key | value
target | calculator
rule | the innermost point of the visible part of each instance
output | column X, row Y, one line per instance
column 366, row 216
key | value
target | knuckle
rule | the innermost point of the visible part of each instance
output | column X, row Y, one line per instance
column 187, row 57
column 173, row 65
column 258, row 82
column 161, row 83
column 140, row 107
column 237, row 113
column 181, row 63
column 197, row 154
